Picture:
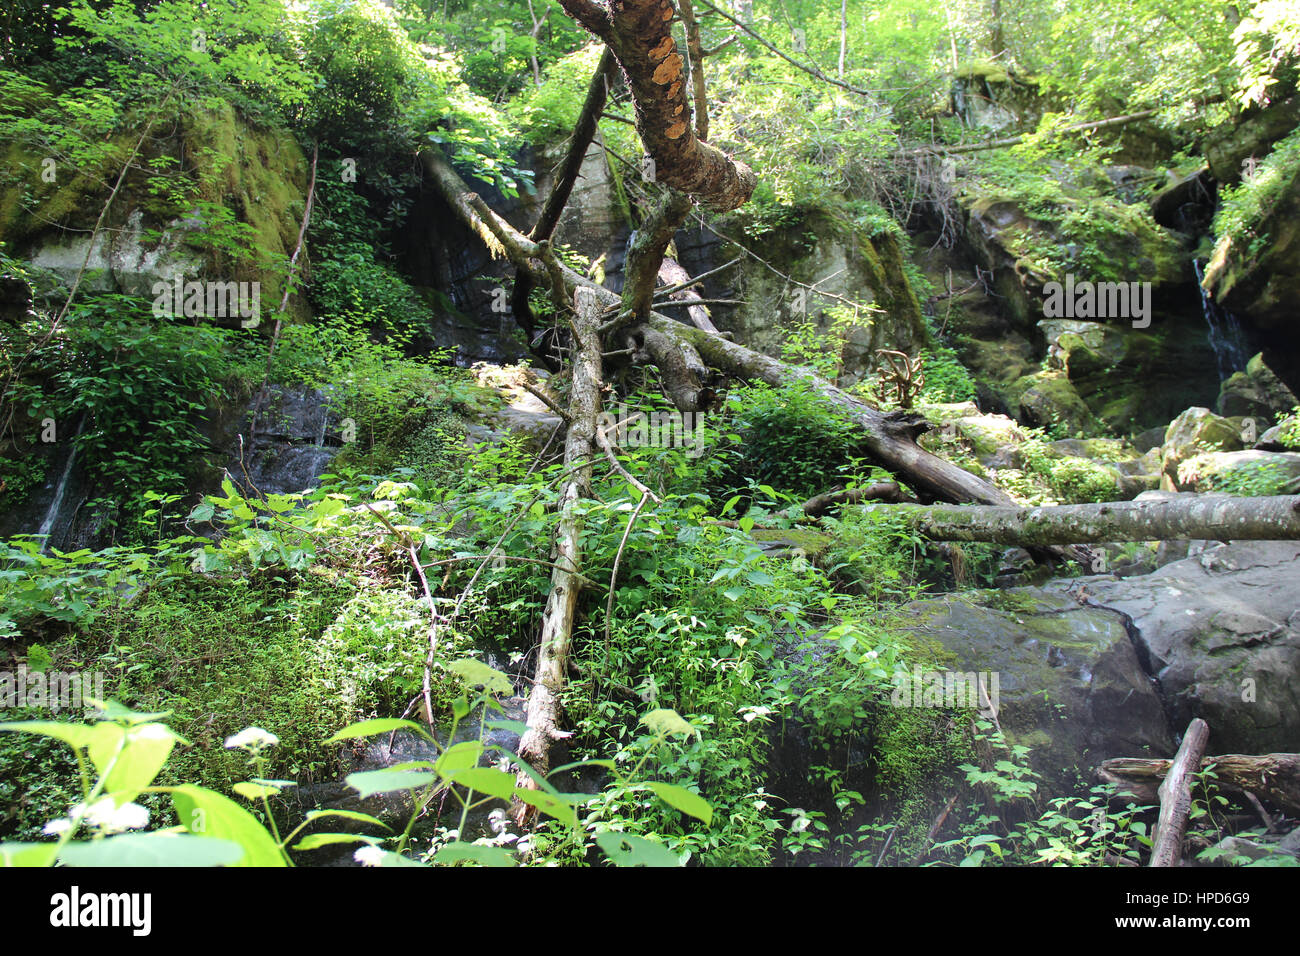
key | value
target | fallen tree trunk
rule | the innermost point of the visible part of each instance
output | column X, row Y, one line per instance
column 672, row 274
column 1271, row 777
column 1176, row 796
column 837, row 498
column 889, row 437
column 1275, row 518
column 566, row 581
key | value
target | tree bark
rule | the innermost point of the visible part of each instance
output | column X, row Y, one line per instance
column 640, row 34
column 1274, row 518
column 1271, row 777
column 672, row 274
column 566, row 581
column 1176, row 796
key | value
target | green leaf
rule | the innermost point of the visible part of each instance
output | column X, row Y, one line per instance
column 371, row 782
column 391, row 859
column 211, row 814
column 488, row 780
column 380, row 725
column 477, row 674
column 347, row 815
column 665, row 721
column 625, row 850
column 462, row 756
column 255, row 791
column 144, row 752
column 484, row 855
column 77, row 736
column 154, row 849
column 317, row 840
column 549, row 804
column 683, row 800
column 27, row 854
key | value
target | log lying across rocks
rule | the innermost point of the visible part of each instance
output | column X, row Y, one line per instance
column 1159, row 519
column 1175, row 793
column 1274, row 778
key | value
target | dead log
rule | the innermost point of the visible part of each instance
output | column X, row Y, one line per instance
column 1176, row 796
column 1274, row 778
column 566, row 581
column 887, row 491
column 1223, row 518
column 671, row 272
column 889, row 437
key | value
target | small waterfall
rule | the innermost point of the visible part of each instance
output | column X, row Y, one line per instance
column 1224, row 331
column 56, row 503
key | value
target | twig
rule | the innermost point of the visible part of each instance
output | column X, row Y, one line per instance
column 613, row 575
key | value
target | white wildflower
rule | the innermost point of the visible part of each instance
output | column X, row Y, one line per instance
column 369, row 855
column 252, row 739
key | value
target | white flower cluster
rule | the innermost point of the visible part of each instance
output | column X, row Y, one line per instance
column 103, row 815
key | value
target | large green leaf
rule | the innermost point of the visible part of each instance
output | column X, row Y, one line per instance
column 153, row 849
column 369, row 782
column 144, row 751
column 683, row 800
column 317, row 840
column 549, row 804
column 210, row 814
column 483, row 855
column 626, row 850
column 347, row 815
column 380, row 725
column 27, row 854
column 477, row 674
column 462, row 756
column 666, row 721
column 488, row 780
column 77, row 736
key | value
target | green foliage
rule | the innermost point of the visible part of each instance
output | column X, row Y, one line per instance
column 946, row 379
column 791, row 440
column 129, row 391
column 1072, row 480
column 1243, row 209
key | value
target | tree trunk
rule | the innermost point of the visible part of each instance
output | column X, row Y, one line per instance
column 671, row 272
column 640, row 34
column 1274, row 518
column 566, row 581
column 1271, row 777
column 1176, row 796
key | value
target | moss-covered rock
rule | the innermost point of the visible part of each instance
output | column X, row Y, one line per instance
column 1047, row 400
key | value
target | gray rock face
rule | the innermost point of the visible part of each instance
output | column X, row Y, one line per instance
column 1220, row 631
column 1070, row 682
column 1099, row 667
column 297, row 437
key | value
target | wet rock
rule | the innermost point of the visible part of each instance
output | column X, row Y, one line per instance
column 1071, row 685
column 1257, row 392
column 1220, row 631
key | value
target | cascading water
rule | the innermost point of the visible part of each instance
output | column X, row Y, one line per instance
column 60, row 490
column 1224, row 331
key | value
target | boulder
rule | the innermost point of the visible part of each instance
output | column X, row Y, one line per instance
column 1070, row 683
column 1048, row 400
column 1220, row 631
column 1257, row 392
column 1251, row 472
column 1194, row 432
